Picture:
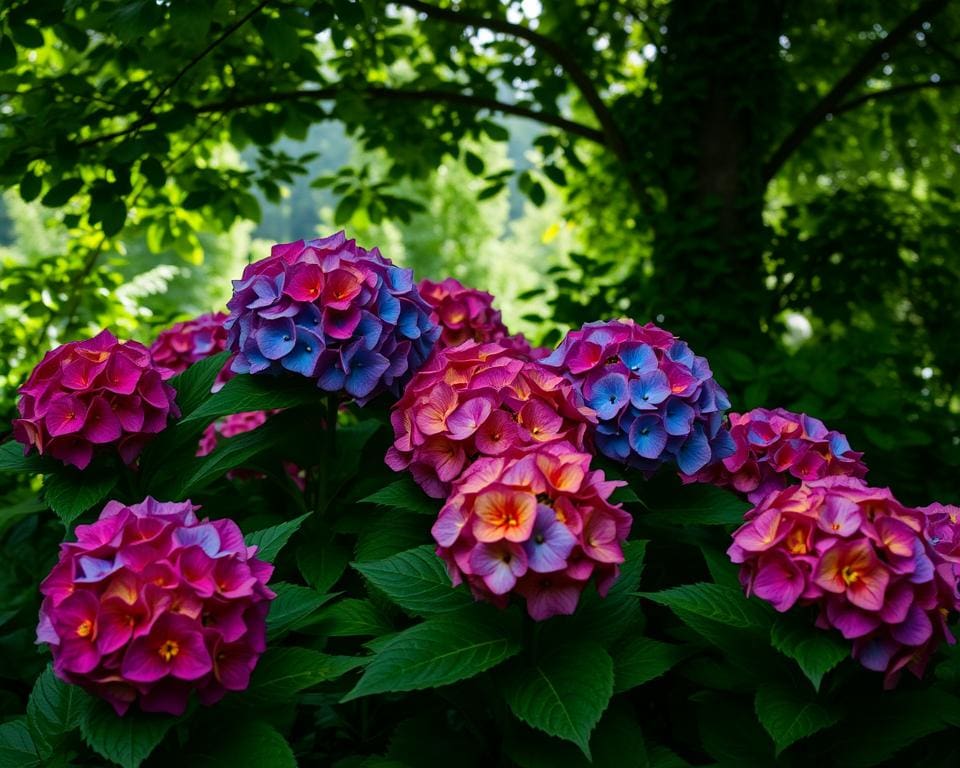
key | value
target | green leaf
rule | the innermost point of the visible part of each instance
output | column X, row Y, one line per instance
column 404, row 494
column 815, row 650
column 60, row 193
column 8, row 55
column 71, row 493
column 441, row 650
column 605, row 619
column 284, row 672
column 293, row 604
column 254, row 393
column 54, row 709
column 474, row 163
column 114, row 217
column 638, row 660
column 719, row 603
column 353, row 618
column 789, row 713
column 416, row 580
column 697, row 505
column 281, row 40
column 17, row 749
column 563, row 692
column 153, row 171
column 322, row 565
column 127, row 740
column 12, row 459
column 30, row 184
column 346, row 208
column 388, row 534
column 270, row 541
column 555, row 174
column 26, row 35
column 194, row 384
column 251, row 743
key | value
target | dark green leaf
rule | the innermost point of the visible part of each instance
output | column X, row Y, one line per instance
column 815, row 650
column 252, row 743
column 404, row 494
column 8, row 56
column 270, row 541
column 416, row 580
column 789, row 713
column 60, row 193
column 17, row 748
column 637, row 660
column 127, row 740
column 322, row 564
column 26, row 35
column 114, row 217
column 284, row 672
column 293, row 604
column 54, row 709
column 563, row 692
column 697, row 505
column 12, row 459
column 716, row 602
column 153, row 171
column 441, row 650
column 30, row 184
column 71, row 493
column 254, row 393
column 353, row 618
column 281, row 40
column 474, row 163
column 194, row 384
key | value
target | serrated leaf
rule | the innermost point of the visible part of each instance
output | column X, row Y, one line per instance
column 270, row 541
column 54, row 709
column 353, row 618
column 716, row 602
column 815, row 650
column 404, row 494
column 283, row 672
column 697, row 505
column 17, row 748
column 789, row 713
column 128, row 740
column 322, row 565
column 441, row 650
column 563, row 692
column 254, row 393
column 13, row 459
column 70, row 493
column 416, row 580
column 292, row 604
column 194, row 384
column 638, row 660
column 388, row 534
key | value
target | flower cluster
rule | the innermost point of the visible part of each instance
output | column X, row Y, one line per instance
column 151, row 603
column 537, row 524
column 332, row 312
column 774, row 445
column 479, row 400
column 463, row 314
column 183, row 344
column 87, row 395
column 656, row 401
column 863, row 558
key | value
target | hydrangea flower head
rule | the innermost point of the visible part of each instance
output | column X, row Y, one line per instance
column 183, row 344
column 773, row 446
column 463, row 314
column 151, row 603
column 538, row 524
column 479, row 400
column 333, row 312
column 656, row 401
column 86, row 397
column 865, row 560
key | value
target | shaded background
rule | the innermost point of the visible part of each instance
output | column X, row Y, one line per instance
column 773, row 181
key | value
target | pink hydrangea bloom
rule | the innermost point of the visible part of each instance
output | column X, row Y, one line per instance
column 151, row 603
column 87, row 396
column 537, row 524
column 656, row 401
column 774, row 447
column 186, row 343
column 479, row 400
column 865, row 560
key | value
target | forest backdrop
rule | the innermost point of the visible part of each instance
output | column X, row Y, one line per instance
column 773, row 181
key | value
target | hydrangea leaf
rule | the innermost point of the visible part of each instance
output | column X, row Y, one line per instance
column 12, row 459
column 696, row 505
column 17, row 747
column 637, row 660
column 248, row 742
column 292, row 605
column 441, row 650
column 564, row 691
column 404, row 494
column 353, row 618
column 790, row 713
column 54, row 709
column 194, row 384
column 815, row 650
column 716, row 602
column 70, row 493
column 283, row 672
column 321, row 565
column 416, row 580
column 269, row 541
column 128, row 740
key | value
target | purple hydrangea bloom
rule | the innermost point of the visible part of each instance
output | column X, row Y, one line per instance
column 333, row 312
column 656, row 401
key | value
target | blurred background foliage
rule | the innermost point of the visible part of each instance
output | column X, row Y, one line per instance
column 775, row 181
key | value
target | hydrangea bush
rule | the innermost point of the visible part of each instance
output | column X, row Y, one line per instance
column 392, row 533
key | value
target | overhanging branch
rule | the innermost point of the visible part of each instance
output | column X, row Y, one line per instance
column 830, row 103
column 892, row 91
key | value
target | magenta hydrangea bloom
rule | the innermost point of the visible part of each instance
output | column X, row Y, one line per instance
column 479, row 400
column 332, row 312
column 183, row 344
column 538, row 524
column 88, row 396
column 776, row 447
column 865, row 560
column 150, row 603
column 656, row 401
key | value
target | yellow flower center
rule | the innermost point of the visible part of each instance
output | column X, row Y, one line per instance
column 169, row 649
column 849, row 575
column 85, row 628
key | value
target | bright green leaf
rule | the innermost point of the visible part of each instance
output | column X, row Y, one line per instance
column 270, row 541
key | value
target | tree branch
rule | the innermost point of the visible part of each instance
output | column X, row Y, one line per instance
column 854, row 76
column 611, row 132
column 893, row 90
column 378, row 93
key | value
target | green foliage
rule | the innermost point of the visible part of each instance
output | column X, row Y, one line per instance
column 126, row 741
column 415, row 580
